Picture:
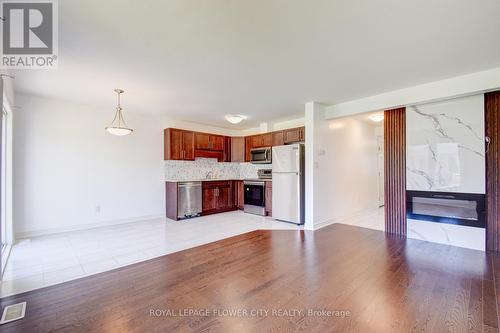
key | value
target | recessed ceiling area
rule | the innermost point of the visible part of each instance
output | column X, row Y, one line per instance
column 201, row 60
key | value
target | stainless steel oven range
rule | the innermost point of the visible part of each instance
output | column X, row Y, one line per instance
column 254, row 197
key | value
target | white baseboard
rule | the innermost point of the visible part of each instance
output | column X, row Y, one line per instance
column 50, row 231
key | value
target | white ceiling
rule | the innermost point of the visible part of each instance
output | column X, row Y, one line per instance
column 199, row 60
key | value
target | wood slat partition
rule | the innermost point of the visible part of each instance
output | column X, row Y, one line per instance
column 492, row 120
column 395, row 171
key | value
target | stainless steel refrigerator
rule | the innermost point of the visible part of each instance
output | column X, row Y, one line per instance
column 288, row 183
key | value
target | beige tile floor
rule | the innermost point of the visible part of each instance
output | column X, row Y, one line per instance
column 47, row 260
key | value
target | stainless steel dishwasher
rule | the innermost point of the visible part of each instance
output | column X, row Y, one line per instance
column 188, row 199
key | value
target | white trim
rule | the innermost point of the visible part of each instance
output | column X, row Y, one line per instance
column 50, row 231
column 9, row 172
column 5, row 257
column 458, row 86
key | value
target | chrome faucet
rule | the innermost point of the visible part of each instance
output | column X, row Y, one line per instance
column 209, row 175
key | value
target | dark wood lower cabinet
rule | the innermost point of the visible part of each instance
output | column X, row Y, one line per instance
column 209, row 194
column 218, row 196
column 171, row 200
column 269, row 198
column 239, row 194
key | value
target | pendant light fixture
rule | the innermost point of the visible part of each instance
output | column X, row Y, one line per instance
column 118, row 125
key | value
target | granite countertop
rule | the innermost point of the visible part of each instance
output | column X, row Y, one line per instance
column 213, row 180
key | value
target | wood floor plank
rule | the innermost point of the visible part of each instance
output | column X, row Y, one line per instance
column 384, row 283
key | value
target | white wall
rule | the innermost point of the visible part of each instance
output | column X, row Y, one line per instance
column 66, row 164
column 314, row 114
column 344, row 162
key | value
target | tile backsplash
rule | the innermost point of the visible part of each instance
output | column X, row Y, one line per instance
column 198, row 169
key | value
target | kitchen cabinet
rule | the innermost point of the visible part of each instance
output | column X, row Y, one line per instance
column 218, row 196
column 218, row 154
column 209, row 141
column 212, row 146
column 225, row 196
column 293, row 135
column 178, row 144
column 239, row 194
column 278, row 138
column 237, row 149
column 269, row 198
column 228, row 149
column 267, row 140
column 171, row 200
column 188, row 145
column 248, row 147
column 262, row 140
column 257, row 141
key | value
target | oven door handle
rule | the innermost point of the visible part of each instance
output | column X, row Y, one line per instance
column 254, row 183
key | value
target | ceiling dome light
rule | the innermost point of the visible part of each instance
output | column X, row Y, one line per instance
column 235, row 118
column 118, row 125
column 377, row 117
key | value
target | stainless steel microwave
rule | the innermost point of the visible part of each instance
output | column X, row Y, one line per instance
column 261, row 155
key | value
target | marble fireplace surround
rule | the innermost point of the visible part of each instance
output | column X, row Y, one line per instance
column 445, row 152
column 445, row 146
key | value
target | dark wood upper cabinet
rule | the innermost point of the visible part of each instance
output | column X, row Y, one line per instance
column 238, row 149
column 208, row 146
column 209, row 141
column 217, row 142
column 228, row 153
column 278, row 138
column 178, row 144
column 294, row 135
column 202, row 141
column 262, row 140
column 267, row 140
column 302, row 133
column 248, row 147
column 187, row 145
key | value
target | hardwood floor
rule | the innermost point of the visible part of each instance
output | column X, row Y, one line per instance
column 382, row 284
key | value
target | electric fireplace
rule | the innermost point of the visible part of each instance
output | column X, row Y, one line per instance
column 467, row 209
